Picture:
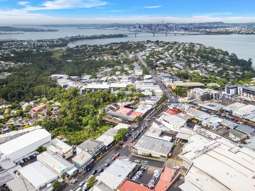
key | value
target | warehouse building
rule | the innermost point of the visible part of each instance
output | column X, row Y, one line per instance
column 37, row 175
column 93, row 147
column 56, row 163
column 231, row 168
column 154, row 147
column 107, row 138
column 172, row 122
column 61, row 148
column 116, row 173
column 22, row 146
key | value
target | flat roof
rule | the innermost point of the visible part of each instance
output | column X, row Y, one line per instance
column 19, row 184
column 200, row 115
column 197, row 180
column 172, row 122
column 245, row 129
column 100, row 186
column 23, row 141
column 234, row 106
column 231, row 166
column 37, row 174
column 59, row 146
column 91, row 146
column 106, row 139
column 55, row 162
column 212, row 106
column 82, row 158
column 154, row 144
column 116, row 173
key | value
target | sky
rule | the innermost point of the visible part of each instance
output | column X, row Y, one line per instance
column 124, row 11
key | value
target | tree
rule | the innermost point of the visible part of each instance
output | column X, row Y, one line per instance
column 120, row 135
column 181, row 91
column 91, row 182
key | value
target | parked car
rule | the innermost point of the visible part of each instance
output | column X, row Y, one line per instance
column 95, row 172
column 115, row 156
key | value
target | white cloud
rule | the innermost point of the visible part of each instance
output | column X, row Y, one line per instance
column 21, row 16
column 66, row 4
column 152, row 6
column 23, row 3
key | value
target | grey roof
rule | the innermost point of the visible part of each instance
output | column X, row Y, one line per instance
column 251, row 143
column 228, row 124
column 246, row 129
column 91, row 146
column 5, row 177
column 154, row 145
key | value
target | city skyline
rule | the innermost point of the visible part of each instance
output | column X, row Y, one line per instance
column 125, row 11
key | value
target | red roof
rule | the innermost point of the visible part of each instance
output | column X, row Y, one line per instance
column 172, row 111
column 38, row 108
column 165, row 180
column 125, row 110
column 132, row 186
column 136, row 114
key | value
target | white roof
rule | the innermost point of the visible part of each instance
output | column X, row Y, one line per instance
column 196, row 180
column 100, row 186
column 55, row 162
column 116, row 173
column 37, row 174
column 245, row 110
column 82, row 158
column 59, row 146
column 230, row 165
column 106, row 139
column 10, row 135
column 234, row 106
column 97, row 86
column 172, row 122
column 200, row 115
column 23, row 141
column 122, row 126
column 118, row 85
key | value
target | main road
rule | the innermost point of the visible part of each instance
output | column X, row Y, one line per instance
column 124, row 150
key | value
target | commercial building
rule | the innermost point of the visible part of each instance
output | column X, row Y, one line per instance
column 129, row 185
column 231, row 90
column 19, row 147
column 172, row 122
column 247, row 93
column 197, row 114
column 38, row 175
column 116, row 173
column 203, row 94
column 82, row 160
column 100, row 186
column 217, row 164
column 154, row 147
column 61, row 148
column 93, row 147
column 187, row 84
column 107, row 138
column 56, row 163
column 167, row 178
column 14, row 134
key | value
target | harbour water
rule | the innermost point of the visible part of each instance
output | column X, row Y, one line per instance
column 242, row 45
